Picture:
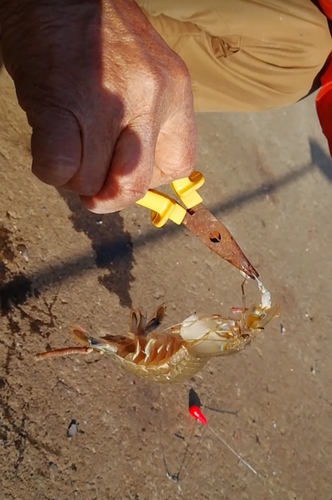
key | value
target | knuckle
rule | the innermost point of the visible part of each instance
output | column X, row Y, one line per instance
column 153, row 82
column 182, row 70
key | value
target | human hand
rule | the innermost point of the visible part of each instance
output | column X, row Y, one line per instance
column 110, row 105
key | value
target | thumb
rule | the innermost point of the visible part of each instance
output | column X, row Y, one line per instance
column 176, row 151
column 130, row 171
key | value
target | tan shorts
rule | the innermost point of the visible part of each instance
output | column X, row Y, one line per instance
column 244, row 55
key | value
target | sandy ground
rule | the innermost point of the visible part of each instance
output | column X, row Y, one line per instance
column 269, row 178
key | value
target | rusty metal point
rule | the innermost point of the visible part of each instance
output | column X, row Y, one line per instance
column 216, row 236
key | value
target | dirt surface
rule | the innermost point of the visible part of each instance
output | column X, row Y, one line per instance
column 269, row 178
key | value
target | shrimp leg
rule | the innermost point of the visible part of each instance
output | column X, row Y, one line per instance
column 65, row 351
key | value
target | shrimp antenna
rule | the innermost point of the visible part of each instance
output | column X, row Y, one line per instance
column 233, row 451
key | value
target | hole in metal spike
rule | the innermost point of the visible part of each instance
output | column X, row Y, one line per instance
column 215, row 237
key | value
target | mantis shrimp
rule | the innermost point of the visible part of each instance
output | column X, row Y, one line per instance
column 180, row 351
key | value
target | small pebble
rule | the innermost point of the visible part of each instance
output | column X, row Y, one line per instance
column 72, row 429
column 11, row 215
column 22, row 250
column 159, row 293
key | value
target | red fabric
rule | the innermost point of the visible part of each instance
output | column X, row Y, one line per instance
column 326, row 6
column 324, row 97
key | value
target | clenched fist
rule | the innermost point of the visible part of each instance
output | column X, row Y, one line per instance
column 110, row 105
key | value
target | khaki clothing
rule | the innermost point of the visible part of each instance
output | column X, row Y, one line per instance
column 244, row 55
